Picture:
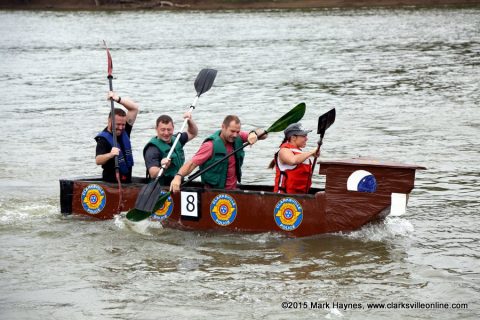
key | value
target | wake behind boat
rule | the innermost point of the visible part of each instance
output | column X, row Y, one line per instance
column 357, row 192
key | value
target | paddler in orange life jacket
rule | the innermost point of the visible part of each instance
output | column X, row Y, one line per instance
column 106, row 152
column 293, row 166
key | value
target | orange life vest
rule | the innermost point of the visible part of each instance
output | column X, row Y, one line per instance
column 292, row 178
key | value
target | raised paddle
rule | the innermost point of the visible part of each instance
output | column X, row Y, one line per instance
column 290, row 117
column 114, row 133
column 150, row 193
column 324, row 122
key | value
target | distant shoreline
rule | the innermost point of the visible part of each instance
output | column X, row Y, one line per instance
column 108, row 5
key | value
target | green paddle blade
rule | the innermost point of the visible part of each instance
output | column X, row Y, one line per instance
column 294, row 115
column 136, row 215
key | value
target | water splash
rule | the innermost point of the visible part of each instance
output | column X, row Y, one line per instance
column 142, row 227
column 16, row 211
column 388, row 229
column 333, row 314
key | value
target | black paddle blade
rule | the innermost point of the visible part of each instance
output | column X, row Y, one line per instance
column 294, row 115
column 148, row 196
column 204, row 80
column 325, row 121
column 137, row 215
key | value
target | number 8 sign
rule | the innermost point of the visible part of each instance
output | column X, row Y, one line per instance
column 189, row 204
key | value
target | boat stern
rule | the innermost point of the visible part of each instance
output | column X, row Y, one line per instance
column 361, row 190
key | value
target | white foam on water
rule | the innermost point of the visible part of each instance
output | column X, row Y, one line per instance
column 389, row 228
column 15, row 210
column 263, row 237
column 333, row 314
column 141, row 227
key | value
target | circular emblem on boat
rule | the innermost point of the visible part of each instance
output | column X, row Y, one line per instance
column 288, row 214
column 223, row 209
column 361, row 181
column 93, row 199
column 165, row 211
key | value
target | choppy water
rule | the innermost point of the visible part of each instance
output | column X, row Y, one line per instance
column 406, row 87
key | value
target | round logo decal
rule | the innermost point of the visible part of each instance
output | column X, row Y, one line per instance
column 223, row 209
column 165, row 211
column 288, row 214
column 93, row 199
column 361, row 181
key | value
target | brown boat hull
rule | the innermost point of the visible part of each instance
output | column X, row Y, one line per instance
column 255, row 208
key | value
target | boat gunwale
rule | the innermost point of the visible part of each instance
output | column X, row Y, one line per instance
column 198, row 187
column 370, row 162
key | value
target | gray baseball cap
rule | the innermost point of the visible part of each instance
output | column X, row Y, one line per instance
column 295, row 129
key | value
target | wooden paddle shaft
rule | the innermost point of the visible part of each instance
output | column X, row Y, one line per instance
column 112, row 111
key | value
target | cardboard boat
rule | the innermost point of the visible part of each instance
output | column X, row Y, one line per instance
column 357, row 192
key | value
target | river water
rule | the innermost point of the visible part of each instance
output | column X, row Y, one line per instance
column 405, row 84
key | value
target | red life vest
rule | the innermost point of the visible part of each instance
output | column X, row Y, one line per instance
column 292, row 178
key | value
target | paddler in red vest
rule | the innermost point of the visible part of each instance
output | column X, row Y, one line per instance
column 227, row 173
column 293, row 166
